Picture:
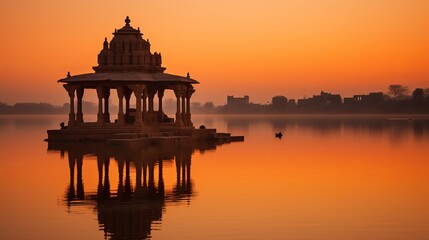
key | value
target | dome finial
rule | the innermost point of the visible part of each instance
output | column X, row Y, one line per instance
column 127, row 21
column 105, row 44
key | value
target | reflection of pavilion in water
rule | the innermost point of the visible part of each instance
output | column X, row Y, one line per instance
column 128, row 212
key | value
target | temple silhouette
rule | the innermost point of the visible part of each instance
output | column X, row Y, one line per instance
column 127, row 66
column 128, row 209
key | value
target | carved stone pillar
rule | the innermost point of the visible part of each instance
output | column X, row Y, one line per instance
column 121, row 115
column 160, row 112
column 177, row 92
column 106, row 105
column 100, row 116
column 188, row 111
column 127, row 95
column 189, row 93
column 144, row 97
column 184, row 109
column 70, row 91
column 138, row 91
column 151, row 94
column 79, row 114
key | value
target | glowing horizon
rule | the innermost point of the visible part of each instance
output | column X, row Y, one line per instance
column 256, row 48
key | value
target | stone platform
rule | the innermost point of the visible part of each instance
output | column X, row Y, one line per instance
column 149, row 135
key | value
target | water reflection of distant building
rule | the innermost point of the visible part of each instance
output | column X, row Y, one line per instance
column 128, row 212
column 333, row 124
column 375, row 125
column 395, row 127
column 237, row 124
column 279, row 125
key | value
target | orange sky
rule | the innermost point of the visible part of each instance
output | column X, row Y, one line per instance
column 233, row 47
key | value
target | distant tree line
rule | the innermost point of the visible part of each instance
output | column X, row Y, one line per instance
column 397, row 99
column 43, row 108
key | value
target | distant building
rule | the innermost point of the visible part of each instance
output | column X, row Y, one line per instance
column 349, row 101
column 322, row 99
column 329, row 98
column 302, row 102
column 279, row 101
column 370, row 99
column 237, row 101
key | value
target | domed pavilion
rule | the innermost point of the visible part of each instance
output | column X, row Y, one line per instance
column 128, row 72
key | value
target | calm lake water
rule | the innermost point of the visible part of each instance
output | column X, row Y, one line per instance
column 329, row 177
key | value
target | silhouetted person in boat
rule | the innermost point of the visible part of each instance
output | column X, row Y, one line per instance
column 62, row 125
column 279, row 135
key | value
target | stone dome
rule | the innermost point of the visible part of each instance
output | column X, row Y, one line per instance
column 128, row 51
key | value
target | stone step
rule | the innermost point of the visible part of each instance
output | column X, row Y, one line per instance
column 129, row 135
column 237, row 138
column 167, row 134
column 152, row 140
column 223, row 135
